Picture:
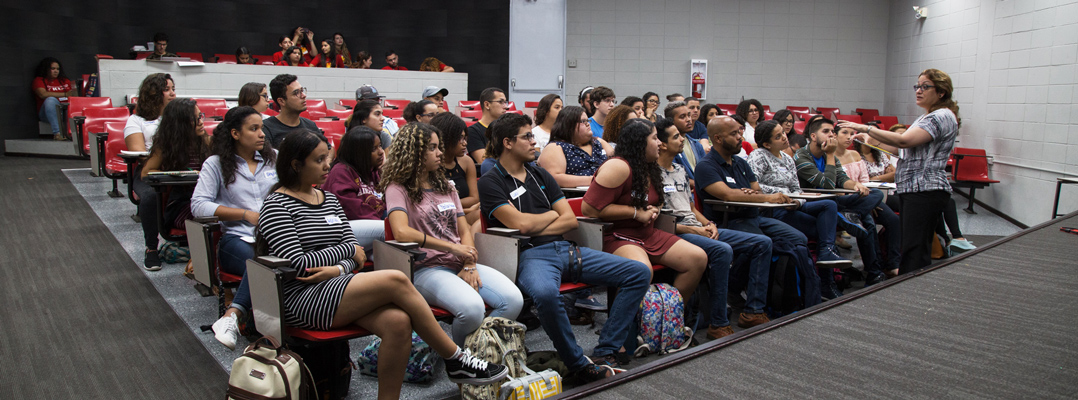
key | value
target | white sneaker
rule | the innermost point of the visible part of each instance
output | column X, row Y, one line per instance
column 226, row 330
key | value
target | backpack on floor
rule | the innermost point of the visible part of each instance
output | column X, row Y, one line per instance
column 173, row 253
column 784, row 287
column 267, row 370
column 330, row 366
column 501, row 341
column 421, row 361
column 662, row 322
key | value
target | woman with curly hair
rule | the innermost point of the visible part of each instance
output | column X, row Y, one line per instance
column 626, row 192
column 434, row 65
column 753, row 113
column 651, row 106
column 155, row 92
column 424, row 208
column 50, row 84
column 614, row 120
column 573, row 154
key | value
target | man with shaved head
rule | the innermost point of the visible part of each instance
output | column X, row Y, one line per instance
column 723, row 176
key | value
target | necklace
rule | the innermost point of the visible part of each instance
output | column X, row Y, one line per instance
column 302, row 197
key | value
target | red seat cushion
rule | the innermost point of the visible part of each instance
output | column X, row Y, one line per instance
column 347, row 332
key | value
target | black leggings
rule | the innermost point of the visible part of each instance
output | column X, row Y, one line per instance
column 920, row 213
column 950, row 216
column 147, row 209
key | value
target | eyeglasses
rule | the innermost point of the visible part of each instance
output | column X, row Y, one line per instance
column 527, row 136
column 266, row 96
column 427, row 115
column 922, row 87
column 200, row 116
column 789, row 121
column 298, row 91
column 610, row 100
column 585, row 122
column 653, row 101
column 753, row 110
column 502, row 101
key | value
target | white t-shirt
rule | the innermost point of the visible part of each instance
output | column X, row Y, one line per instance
column 136, row 124
column 542, row 137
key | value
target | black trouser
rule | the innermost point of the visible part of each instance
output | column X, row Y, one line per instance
column 950, row 216
column 920, row 213
column 147, row 209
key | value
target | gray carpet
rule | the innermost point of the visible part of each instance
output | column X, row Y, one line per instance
column 998, row 324
column 79, row 318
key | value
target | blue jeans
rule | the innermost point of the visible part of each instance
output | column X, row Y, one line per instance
column 757, row 248
column 48, row 113
column 233, row 254
column 868, row 241
column 441, row 287
column 788, row 241
column 816, row 219
column 542, row 270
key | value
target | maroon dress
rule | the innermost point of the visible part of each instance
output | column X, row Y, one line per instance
column 629, row 231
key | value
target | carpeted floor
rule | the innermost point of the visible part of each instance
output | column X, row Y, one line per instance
column 80, row 320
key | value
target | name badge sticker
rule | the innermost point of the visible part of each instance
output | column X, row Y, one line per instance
column 730, row 179
column 333, row 220
column 446, row 207
column 452, row 183
column 516, row 193
column 271, row 174
column 669, row 189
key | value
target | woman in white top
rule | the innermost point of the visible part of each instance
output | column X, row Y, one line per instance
column 753, row 113
column 545, row 115
column 155, row 92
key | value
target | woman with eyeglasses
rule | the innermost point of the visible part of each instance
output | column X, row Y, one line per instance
column 922, row 180
column 753, row 113
column 420, row 111
column 651, row 106
column 255, row 95
column 573, row 154
column 458, row 167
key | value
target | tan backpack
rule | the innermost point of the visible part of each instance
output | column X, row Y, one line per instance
column 267, row 370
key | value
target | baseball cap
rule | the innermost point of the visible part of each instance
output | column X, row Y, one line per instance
column 367, row 92
column 433, row 90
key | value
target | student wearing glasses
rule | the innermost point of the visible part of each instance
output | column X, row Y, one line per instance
column 573, row 154
column 291, row 98
column 493, row 102
column 256, row 96
column 752, row 112
column 602, row 101
column 651, row 106
column 420, row 111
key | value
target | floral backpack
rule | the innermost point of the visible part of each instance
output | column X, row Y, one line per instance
column 662, row 322
column 421, row 361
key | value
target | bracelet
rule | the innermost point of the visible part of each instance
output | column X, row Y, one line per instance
column 468, row 268
column 634, row 212
column 424, row 241
column 342, row 270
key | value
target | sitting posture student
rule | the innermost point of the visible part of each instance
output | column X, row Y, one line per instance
column 254, row 95
column 753, row 113
column 354, row 180
column 626, row 191
column 518, row 195
column 584, row 99
column 424, row 208
column 574, row 153
column 369, row 113
column 856, row 169
column 293, row 57
column 492, row 101
column 817, row 167
column 291, row 98
column 724, row 176
column 155, row 92
column 721, row 245
column 285, row 42
column 342, row 49
column 420, row 111
column 436, row 95
column 457, row 166
column 244, row 57
column 327, row 56
column 160, row 47
column 545, row 115
column 816, row 219
column 231, row 186
column 615, row 120
column 651, row 106
column 678, row 113
column 50, row 84
column 635, row 103
column 307, row 226
column 602, row 101
column 434, row 65
column 391, row 62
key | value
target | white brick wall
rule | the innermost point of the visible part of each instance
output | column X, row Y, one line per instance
column 1014, row 64
column 806, row 53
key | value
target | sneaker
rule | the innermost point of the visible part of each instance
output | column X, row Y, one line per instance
column 747, row 320
column 874, row 277
column 609, row 360
column 152, row 262
column 826, row 257
column 226, row 330
column 471, row 370
column 590, row 303
column 719, row 332
column 960, row 246
column 851, row 222
column 591, row 373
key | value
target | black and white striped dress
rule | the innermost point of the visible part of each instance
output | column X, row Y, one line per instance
column 310, row 236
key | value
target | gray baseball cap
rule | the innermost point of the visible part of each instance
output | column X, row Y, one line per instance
column 433, row 90
column 367, row 92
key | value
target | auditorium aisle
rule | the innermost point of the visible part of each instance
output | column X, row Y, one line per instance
column 80, row 320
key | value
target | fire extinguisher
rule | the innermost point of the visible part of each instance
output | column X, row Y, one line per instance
column 698, row 85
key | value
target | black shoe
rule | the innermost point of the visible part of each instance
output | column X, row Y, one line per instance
column 874, row 277
column 472, row 370
column 830, row 290
column 609, row 360
column 529, row 319
column 826, row 257
column 152, row 262
column 623, row 357
column 591, row 373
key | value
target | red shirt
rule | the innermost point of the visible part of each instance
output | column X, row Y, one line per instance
column 399, row 68
column 286, row 64
column 317, row 62
column 52, row 85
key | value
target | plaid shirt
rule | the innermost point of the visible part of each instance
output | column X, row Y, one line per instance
column 921, row 168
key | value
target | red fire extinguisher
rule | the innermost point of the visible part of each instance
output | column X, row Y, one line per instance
column 698, row 85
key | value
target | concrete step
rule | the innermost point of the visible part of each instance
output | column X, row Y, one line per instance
column 41, row 147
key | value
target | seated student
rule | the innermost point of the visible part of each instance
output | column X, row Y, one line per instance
column 327, row 56
column 797, row 141
column 741, row 153
column 368, row 92
column 753, row 113
column 574, row 153
column 293, row 57
column 160, row 47
column 363, row 60
column 369, row 113
column 707, row 112
column 285, row 42
column 231, row 186
column 304, row 39
column 434, row 65
column 672, row 97
column 243, row 56
column 545, row 115
column 457, row 166
column 635, row 103
column 614, row 121
column 856, row 169
column 678, row 113
column 391, row 62
column 436, row 95
column 291, row 99
column 817, row 167
column 602, row 101
column 155, row 92
column 424, row 208
column 255, row 95
column 817, row 219
column 699, row 129
column 354, row 178
column 518, row 195
column 493, row 103
column 719, row 244
column 651, row 106
column 306, row 225
column 420, row 111
column 584, row 99
column 342, row 49
column 724, row 176
column 626, row 192
column 50, row 84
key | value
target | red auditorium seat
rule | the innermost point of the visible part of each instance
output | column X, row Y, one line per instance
column 393, row 112
column 970, row 170
column 828, row 111
column 95, row 122
column 868, row 114
column 141, row 55
column 511, row 106
column 747, row 147
column 225, row 58
column 210, row 106
column 474, row 115
column 848, row 117
column 767, row 109
column 219, row 112
column 263, row 60
column 75, row 107
column 799, row 126
column 316, row 105
column 800, row 109
column 340, row 114
column 395, row 103
column 192, row 56
column 515, row 112
column 210, row 125
column 347, row 103
column 468, row 104
column 531, row 104
column 400, row 121
column 768, row 115
column 886, row 122
column 728, row 109
column 114, row 167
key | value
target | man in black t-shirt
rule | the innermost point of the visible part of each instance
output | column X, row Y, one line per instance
column 493, row 103
column 291, row 97
column 519, row 195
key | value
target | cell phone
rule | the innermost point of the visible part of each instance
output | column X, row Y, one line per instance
column 1069, row 230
